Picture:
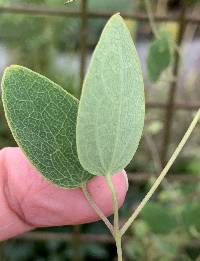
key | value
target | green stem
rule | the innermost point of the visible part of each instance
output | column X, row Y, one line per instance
column 118, row 241
column 151, row 18
column 162, row 174
column 115, row 202
column 117, row 233
column 154, row 28
column 96, row 208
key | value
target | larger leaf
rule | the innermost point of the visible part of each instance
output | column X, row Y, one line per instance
column 42, row 117
column 111, row 111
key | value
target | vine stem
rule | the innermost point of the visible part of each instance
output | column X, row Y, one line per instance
column 117, row 233
column 153, row 25
column 151, row 18
column 96, row 208
column 162, row 174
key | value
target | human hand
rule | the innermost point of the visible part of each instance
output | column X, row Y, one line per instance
column 28, row 201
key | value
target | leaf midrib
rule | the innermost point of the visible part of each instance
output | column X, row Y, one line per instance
column 119, row 114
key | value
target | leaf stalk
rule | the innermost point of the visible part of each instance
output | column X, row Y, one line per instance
column 117, row 233
column 96, row 208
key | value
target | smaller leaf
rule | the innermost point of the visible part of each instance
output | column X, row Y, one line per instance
column 159, row 57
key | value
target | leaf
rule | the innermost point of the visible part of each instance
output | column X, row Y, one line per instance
column 158, row 218
column 166, row 247
column 111, row 111
column 193, row 167
column 159, row 57
column 42, row 118
column 140, row 229
column 191, row 216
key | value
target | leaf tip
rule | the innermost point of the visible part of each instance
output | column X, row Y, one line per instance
column 117, row 19
column 116, row 16
column 11, row 68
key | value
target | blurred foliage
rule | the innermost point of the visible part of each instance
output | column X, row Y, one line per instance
column 194, row 167
column 108, row 5
column 52, row 251
column 159, row 56
column 168, row 229
column 37, row 39
column 190, row 2
column 158, row 218
column 171, row 28
column 154, row 127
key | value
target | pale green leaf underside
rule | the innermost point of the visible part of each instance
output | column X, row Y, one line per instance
column 111, row 110
column 42, row 117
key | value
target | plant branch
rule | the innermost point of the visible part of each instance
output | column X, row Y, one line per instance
column 115, row 202
column 96, row 208
column 153, row 25
column 151, row 18
column 163, row 173
column 117, row 233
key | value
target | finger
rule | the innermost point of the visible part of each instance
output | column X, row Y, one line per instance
column 29, row 201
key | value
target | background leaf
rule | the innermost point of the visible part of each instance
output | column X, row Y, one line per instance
column 111, row 111
column 159, row 219
column 159, row 57
column 42, row 117
column 191, row 215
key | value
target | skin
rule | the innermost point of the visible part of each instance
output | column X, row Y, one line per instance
column 28, row 201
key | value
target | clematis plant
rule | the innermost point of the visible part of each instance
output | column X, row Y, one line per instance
column 70, row 141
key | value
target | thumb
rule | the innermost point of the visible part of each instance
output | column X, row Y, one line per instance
column 27, row 200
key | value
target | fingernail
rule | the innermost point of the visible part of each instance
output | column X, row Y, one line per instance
column 126, row 179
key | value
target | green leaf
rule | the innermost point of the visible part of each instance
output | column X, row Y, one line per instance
column 111, row 111
column 191, row 216
column 42, row 117
column 166, row 247
column 193, row 166
column 140, row 229
column 158, row 218
column 159, row 57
